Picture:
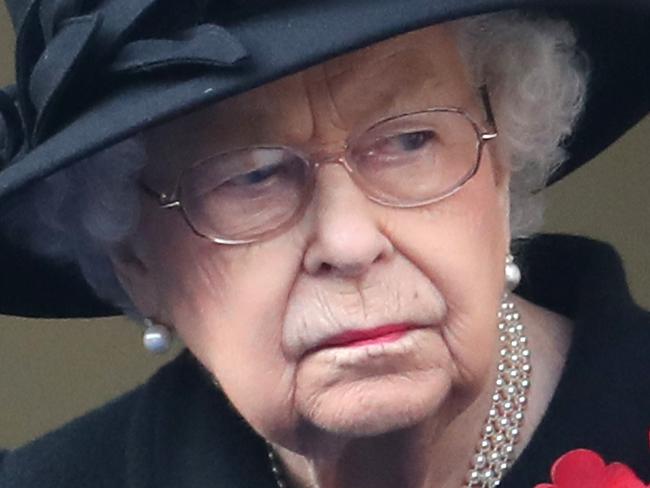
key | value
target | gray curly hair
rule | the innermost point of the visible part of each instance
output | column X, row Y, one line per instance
column 534, row 71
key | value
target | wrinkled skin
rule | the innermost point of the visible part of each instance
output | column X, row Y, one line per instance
column 250, row 313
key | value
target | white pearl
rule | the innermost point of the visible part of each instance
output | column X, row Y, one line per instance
column 513, row 276
column 156, row 339
column 479, row 460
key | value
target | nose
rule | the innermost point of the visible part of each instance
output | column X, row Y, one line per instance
column 346, row 235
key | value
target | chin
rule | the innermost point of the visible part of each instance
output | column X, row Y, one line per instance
column 377, row 405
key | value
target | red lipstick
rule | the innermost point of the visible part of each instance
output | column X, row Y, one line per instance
column 378, row 335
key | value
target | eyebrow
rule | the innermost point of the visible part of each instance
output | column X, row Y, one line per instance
column 390, row 95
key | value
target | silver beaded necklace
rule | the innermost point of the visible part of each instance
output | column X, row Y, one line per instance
column 495, row 450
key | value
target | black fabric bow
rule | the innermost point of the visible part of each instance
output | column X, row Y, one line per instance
column 12, row 133
column 68, row 55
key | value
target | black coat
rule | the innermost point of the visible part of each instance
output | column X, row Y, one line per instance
column 177, row 430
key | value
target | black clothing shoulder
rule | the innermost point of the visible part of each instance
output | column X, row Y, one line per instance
column 602, row 401
column 178, row 430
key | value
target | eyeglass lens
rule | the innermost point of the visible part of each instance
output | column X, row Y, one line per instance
column 404, row 161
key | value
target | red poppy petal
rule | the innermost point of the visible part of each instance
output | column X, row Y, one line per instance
column 546, row 485
column 580, row 468
column 619, row 475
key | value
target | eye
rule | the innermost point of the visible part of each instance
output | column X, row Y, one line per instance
column 402, row 144
column 257, row 176
column 412, row 141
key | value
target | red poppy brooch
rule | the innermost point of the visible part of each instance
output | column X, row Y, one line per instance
column 582, row 468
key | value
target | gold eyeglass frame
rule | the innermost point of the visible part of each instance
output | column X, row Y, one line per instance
column 174, row 200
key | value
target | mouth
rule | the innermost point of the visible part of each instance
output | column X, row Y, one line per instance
column 359, row 338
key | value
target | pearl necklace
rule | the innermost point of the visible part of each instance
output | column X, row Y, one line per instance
column 495, row 451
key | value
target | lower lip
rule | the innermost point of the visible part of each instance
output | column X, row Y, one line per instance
column 383, row 335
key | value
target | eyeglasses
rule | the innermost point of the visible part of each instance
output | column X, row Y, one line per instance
column 405, row 161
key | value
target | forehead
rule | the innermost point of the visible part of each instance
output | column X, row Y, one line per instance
column 410, row 72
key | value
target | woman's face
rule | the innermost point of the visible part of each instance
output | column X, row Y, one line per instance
column 258, row 315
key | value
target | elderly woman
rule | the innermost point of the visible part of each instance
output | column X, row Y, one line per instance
column 320, row 200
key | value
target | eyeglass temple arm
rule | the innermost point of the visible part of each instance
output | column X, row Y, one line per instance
column 163, row 199
column 489, row 114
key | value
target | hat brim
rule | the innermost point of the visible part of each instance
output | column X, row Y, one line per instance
column 285, row 40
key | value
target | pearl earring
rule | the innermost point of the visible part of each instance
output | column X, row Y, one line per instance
column 513, row 273
column 156, row 338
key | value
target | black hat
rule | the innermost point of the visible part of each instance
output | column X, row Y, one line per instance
column 92, row 72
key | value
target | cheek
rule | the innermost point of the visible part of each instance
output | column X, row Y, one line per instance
column 461, row 244
column 227, row 305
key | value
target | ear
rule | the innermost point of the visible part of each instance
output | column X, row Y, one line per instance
column 501, row 166
column 134, row 274
column 501, row 172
